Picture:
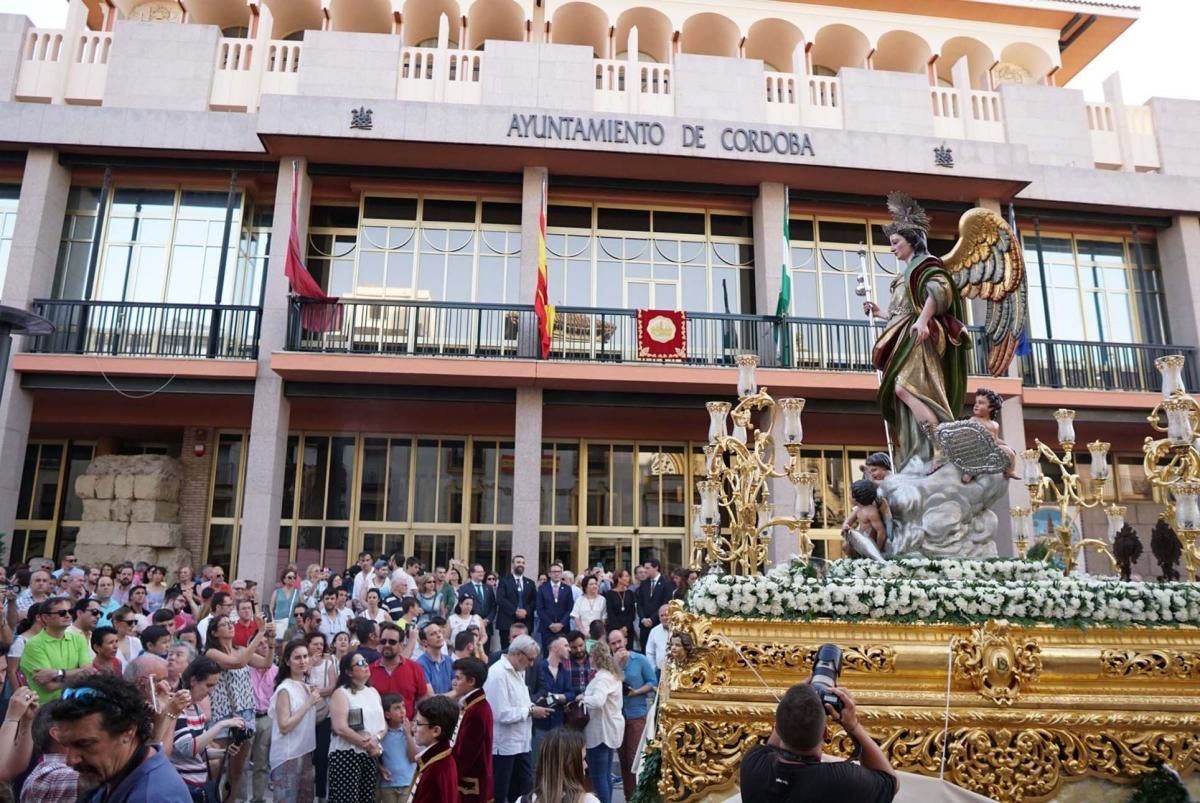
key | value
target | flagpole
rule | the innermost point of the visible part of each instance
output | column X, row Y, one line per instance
column 863, row 290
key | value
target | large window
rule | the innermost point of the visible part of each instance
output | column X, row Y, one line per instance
column 618, row 258
column 1095, row 288
column 162, row 245
column 425, row 249
column 48, row 510
column 9, row 195
column 826, row 266
column 225, row 510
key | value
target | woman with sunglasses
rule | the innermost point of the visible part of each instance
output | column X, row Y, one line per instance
column 284, row 601
column 429, row 599
column 234, row 693
column 293, row 713
column 193, row 734
column 129, row 646
column 449, row 591
column 356, row 711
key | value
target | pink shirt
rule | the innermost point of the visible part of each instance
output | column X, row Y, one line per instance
column 263, row 683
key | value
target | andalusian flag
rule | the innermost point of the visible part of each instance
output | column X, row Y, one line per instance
column 541, row 304
column 783, row 307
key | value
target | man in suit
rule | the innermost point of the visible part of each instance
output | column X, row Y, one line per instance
column 554, row 603
column 484, row 595
column 516, row 598
column 653, row 593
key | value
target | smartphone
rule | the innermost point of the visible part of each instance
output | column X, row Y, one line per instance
column 153, row 694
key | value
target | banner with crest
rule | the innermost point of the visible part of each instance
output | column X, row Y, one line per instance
column 662, row 334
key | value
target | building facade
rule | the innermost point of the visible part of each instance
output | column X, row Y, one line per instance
column 151, row 153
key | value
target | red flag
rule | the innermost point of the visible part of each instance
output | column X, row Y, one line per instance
column 302, row 282
column 541, row 302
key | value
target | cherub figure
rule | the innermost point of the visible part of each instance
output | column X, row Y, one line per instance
column 867, row 516
column 984, row 412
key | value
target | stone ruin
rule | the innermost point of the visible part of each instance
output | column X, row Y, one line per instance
column 131, row 511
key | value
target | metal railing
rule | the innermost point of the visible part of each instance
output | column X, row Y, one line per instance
column 459, row 329
column 1101, row 366
column 430, row 328
column 142, row 329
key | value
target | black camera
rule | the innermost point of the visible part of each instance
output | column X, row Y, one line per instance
column 240, row 735
column 826, row 668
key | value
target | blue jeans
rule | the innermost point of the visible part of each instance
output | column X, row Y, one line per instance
column 599, row 760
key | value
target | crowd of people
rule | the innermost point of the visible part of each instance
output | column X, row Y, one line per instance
column 390, row 681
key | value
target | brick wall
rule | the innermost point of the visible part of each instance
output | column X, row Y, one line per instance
column 193, row 493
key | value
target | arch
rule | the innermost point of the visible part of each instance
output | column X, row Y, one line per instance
column 773, row 41
column 360, row 16
column 294, row 16
column 422, row 17
column 222, row 13
column 1030, row 58
column 654, row 33
column 902, row 51
column 581, row 24
column 710, row 34
column 494, row 19
column 979, row 60
column 837, row 46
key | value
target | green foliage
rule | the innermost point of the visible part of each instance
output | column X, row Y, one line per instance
column 1161, row 786
column 648, row 778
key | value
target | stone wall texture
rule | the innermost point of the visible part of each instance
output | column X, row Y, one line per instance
column 131, row 511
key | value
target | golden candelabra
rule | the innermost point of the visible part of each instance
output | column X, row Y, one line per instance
column 739, row 464
column 1173, row 462
column 1067, row 494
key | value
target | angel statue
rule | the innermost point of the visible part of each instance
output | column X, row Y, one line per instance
column 924, row 348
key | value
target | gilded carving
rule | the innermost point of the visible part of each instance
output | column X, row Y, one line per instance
column 158, row 11
column 995, row 663
column 1153, row 663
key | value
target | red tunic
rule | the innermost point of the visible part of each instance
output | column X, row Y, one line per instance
column 436, row 780
column 473, row 749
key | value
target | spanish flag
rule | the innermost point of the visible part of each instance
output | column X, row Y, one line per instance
column 541, row 304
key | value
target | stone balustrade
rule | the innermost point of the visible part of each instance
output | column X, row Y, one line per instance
column 59, row 67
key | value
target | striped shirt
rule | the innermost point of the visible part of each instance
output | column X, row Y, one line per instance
column 191, row 764
column 51, row 781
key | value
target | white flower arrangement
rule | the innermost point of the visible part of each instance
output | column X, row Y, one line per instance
column 954, row 591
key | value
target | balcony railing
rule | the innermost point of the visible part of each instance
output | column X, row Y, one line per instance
column 450, row 329
column 1100, row 366
column 135, row 329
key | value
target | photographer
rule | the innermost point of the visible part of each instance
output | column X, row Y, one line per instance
column 789, row 766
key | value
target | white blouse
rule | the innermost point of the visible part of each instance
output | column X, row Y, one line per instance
column 587, row 611
column 459, row 623
column 606, row 724
column 369, row 701
column 300, row 740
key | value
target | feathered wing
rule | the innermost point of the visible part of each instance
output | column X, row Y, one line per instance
column 987, row 263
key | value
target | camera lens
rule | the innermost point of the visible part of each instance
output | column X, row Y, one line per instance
column 827, row 666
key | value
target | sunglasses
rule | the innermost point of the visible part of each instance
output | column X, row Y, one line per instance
column 84, row 694
column 389, row 641
column 58, row 613
column 359, row 662
column 95, row 611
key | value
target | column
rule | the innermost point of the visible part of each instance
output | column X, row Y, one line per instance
column 768, row 261
column 31, row 262
column 1179, row 250
column 527, row 479
column 1114, row 95
column 531, row 205
column 1012, row 432
column 266, row 454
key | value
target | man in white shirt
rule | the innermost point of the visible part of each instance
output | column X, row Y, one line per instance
column 222, row 605
column 656, row 643
column 512, row 716
column 333, row 619
column 365, row 563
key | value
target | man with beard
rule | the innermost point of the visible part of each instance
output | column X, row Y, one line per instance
column 104, row 728
column 395, row 674
column 124, row 583
column 516, row 597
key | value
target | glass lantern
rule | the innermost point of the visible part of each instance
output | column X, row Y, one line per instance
column 1022, row 524
column 1171, row 368
column 1116, row 520
column 747, row 385
column 793, row 430
column 709, row 501
column 1033, row 466
column 718, row 412
column 1066, row 425
column 805, row 482
column 1099, row 450
column 1187, row 512
column 1179, row 421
